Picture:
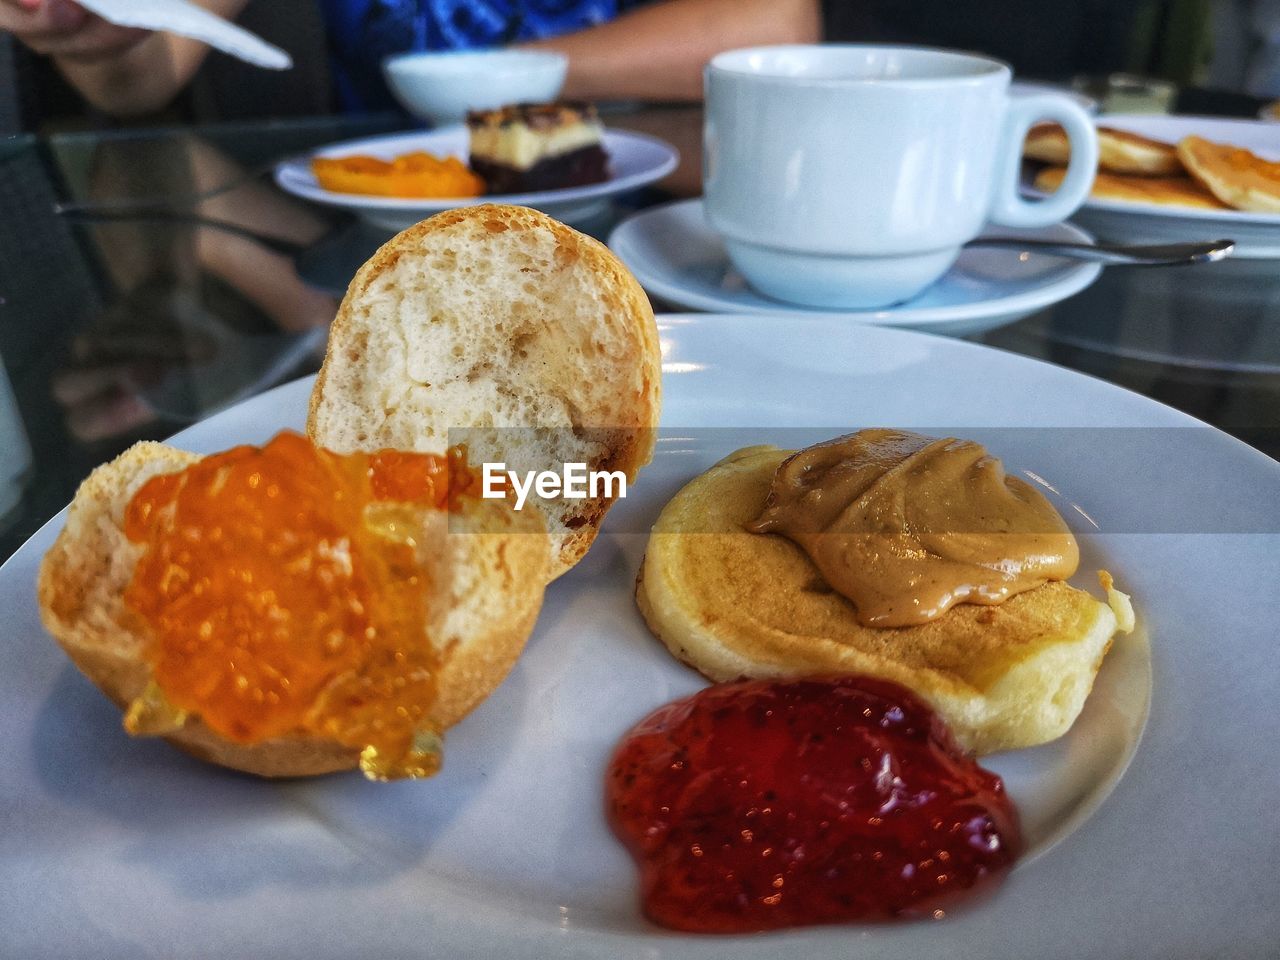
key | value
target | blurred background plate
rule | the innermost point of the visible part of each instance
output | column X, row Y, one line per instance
column 635, row 159
column 1257, row 235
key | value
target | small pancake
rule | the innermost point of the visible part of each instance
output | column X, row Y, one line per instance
column 1234, row 175
column 1048, row 143
column 1119, row 151
column 1170, row 191
column 733, row 604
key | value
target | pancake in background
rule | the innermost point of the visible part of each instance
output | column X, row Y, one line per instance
column 1234, row 175
column 737, row 604
column 1167, row 191
column 1118, row 151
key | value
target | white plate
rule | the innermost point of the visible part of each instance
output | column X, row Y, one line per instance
column 115, row 848
column 635, row 159
column 676, row 256
column 1257, row 235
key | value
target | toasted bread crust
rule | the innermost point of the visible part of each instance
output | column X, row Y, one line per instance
column 636, row 368
column 484, row 609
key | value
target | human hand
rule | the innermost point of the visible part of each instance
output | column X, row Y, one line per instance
column 126, row 351
column 63, row 29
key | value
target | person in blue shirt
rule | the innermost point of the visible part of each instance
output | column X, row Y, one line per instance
column 617, row 49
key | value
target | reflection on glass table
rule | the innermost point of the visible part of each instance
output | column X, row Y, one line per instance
column 178, row 279
column 1205, row 340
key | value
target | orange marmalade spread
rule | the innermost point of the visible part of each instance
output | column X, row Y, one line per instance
column 284, row 595
column 411, row 175
column 907, row 526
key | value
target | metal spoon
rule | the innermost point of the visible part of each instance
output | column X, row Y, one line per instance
column 1156, row 255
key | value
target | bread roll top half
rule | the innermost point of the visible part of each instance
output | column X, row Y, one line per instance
column 497, row 327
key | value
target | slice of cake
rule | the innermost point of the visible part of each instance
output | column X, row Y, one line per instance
column 526, row 147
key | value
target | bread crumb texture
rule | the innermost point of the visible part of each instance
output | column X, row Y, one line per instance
column 526, row 339
column 487, row 565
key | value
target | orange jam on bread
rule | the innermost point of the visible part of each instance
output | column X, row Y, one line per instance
column 285, row 596
column 414, row 175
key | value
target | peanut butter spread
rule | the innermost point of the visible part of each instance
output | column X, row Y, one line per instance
column 907, row 526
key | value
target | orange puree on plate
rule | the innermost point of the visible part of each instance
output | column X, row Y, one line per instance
column 414, row 175
column 283, row 597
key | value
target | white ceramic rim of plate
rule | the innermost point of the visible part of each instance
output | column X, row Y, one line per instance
column 294, row 176
column 1075, row 279
column 1184, row 213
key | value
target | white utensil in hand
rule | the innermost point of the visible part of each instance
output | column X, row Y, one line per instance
column 188, row 20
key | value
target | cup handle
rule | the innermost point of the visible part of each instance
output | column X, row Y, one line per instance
column 1011, row 209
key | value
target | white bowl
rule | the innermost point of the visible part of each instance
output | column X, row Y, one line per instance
column 443, row 86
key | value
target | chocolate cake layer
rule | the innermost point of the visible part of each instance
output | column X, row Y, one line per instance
column 575, row 168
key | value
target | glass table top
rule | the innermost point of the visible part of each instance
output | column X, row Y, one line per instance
column 150, row 278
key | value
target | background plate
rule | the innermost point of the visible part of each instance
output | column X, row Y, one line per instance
column 635, row 159
column 115, row 848
column 1257, row 235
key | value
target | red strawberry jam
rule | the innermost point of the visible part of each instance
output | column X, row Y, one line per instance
column 765, row 804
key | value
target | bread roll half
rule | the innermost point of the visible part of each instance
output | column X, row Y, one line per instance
column 528, row 340
column 488, row 567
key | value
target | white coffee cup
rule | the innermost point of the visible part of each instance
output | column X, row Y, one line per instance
column 847, row 175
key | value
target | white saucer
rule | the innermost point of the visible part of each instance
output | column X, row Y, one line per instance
column 677, row 257
column 634, row 160
column 1257, row 235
